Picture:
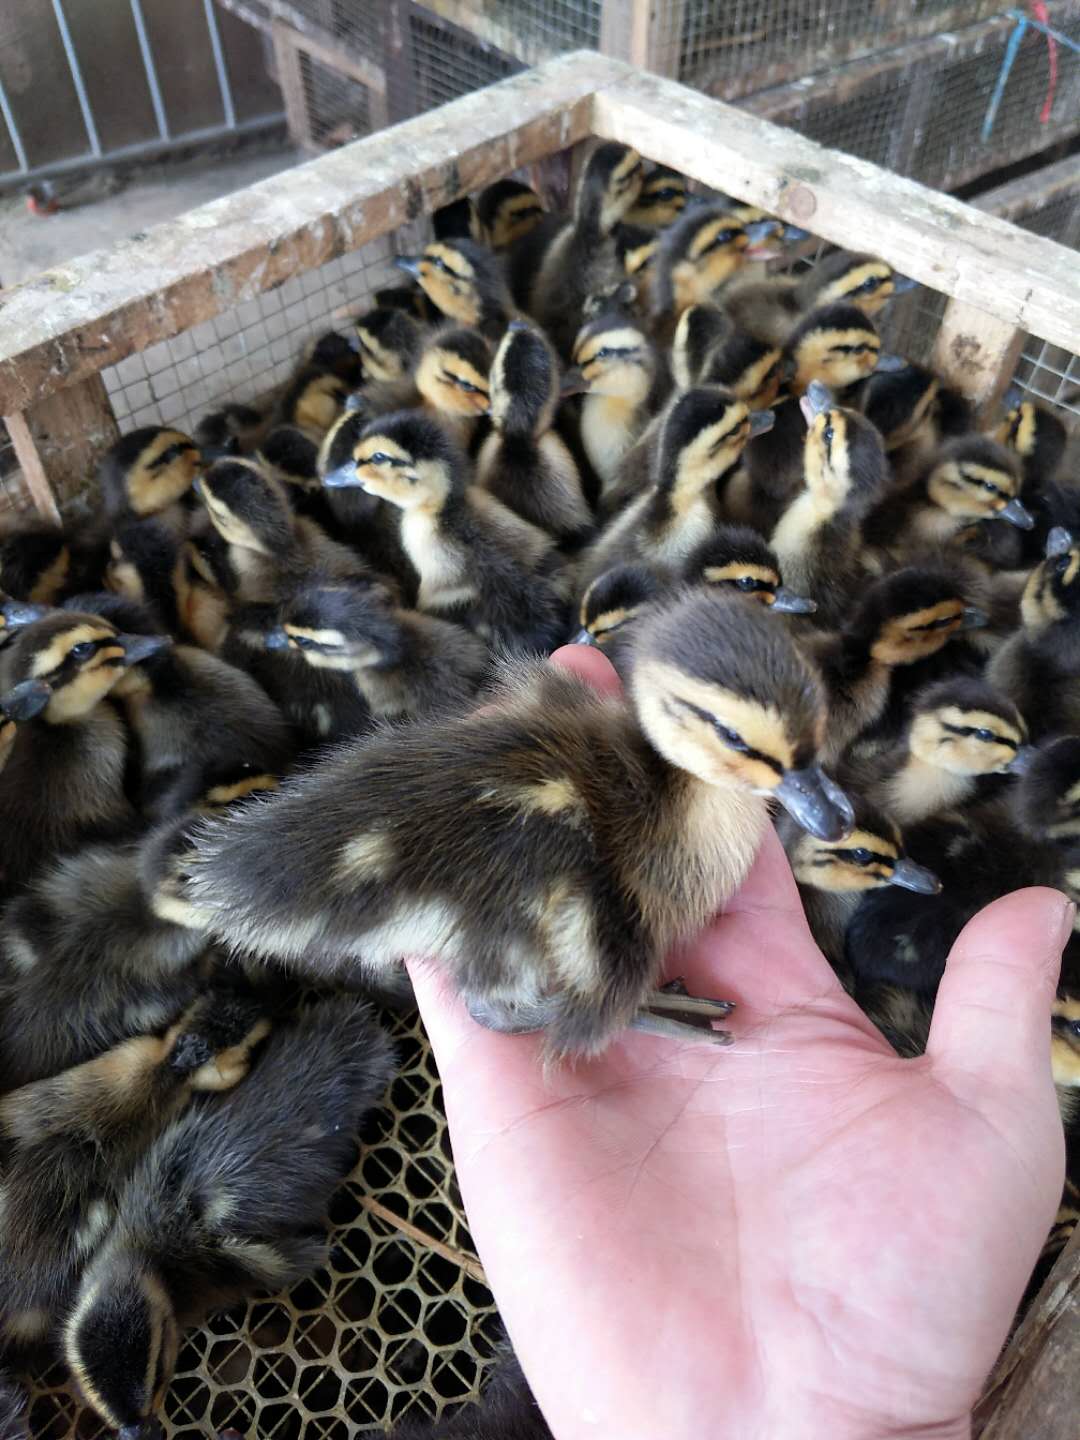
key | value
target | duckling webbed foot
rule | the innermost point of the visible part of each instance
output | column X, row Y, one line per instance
column 696, row 1014
column 509, row 1018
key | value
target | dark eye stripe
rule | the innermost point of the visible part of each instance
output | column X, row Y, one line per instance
column 749, row 752
column 935, row 624
column 970, row 731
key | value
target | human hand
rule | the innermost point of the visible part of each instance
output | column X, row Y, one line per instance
column 799, row 1236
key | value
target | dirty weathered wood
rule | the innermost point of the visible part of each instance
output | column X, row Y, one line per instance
column 643, row 32
column 71, row 322
column 1022, row 279
column 976, row 353
column 1033, row 193
column 291, row 80
column 1034, row 1392
column 59, row 441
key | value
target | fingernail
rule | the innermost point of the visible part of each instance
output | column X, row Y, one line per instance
column 1068, row 921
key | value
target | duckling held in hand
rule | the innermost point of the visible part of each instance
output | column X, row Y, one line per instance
column 229, row 1200
column 550, row 849
column 524, row 463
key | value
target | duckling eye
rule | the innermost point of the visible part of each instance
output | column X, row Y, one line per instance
column 467, row 386
column 305, row 643
column 986, row 736
column 1073, row 1027
column 827, row 434
column 667, row 193
column 746, row 582
column 870, row 283
column 990, row 488
column 861, row 855
column 730, row 737
column 603, row 353
column 83, row 650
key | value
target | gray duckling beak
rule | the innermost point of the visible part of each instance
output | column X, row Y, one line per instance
column 816, row 803
column 792, row 234
column 903, row 283
column 25, row 700
column 573, row 383
column 276, row 639
column 910, row 876
column 973, row 618
column 889, row 364
column 1058, row 542
column 409, row 263
column 1022, row 761
column 20, row 613
column 816, row 401
column 786, row 602
column 1017, row 514
column 138, row 648
column 344, row 477
column 761, row 422
column 584, row 637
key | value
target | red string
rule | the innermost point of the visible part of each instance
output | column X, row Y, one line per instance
column 1041, row 12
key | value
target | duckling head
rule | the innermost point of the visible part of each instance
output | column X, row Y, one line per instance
column 663, row 197
column 79, row 657
column 723, row 693
column 612, row 357
column 702, row 439
column 1065, row 1042
column 843, row 456
column 1052, row 591
column 148, row 470
column 835, row 344
column 229, row 430
column 291, row 455
column 860, row 280
column 967, row 727
column 911, row 614
column 614, row 600
column 700, row 329
column 1036, row 435
column 340, row 627
column 1047, row 798
column 701, row 252
column 636, row 250
column 121, row 1342
column 410, row 461
column 389, row 343
column 35, row 563
column 452, row 375
column 334, row 463
column 871, row 857
column 461, row 278
column 736, row 557
column 247, row 507
column 610, row 185
column 899, row 402
column 975, row 478
column 508, row 211
column 525, row 382
column 338, row 354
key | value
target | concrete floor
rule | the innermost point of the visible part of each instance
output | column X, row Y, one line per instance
column 100, row 214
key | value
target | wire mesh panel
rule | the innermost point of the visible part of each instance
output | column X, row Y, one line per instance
column 399, row 1322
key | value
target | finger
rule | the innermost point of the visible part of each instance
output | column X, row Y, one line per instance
column 590, row 665
column 992, row 1014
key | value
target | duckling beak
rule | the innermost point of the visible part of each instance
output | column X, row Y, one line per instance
column 816, row 803
column 761, row 422
column 889, row 364
column 1022, row 761
column 1012, row 397
column 902, row 284
column 761, row 230
column 518, row 324
column 409, row 263
column 792, row 234
column 573, row 383
column 25, row 700
column 353, row 342
column 343, row 478
column 1058, row 542
column 972, row 618
column 138, row 648
column 276, row 639
column 910, row 876
column 19, row 613
column 786, row 602
column 1017, row 514
column 149, row 1429
column 227, row 450
column 816, row 401
column 584, row 637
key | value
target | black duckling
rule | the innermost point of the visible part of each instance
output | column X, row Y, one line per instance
column 550, row 849
column 902, row 620
column 204, row 582
column 269, row 545
column 1036, row 435
column 13, row 1407
column 389, row 342
column 404, row 664
column 698, row 256
column 465, row 281
column 577, row 253
column 143, row 559
column 737, row 556
column 525, row 463
column 818, row 540
column 614, row 600
column 230, row 1200
column 903, row 405
column 1038, row 668
column 409, row 300
column 701, row 441
column 71, row 1140
column 663, row 197
column 770, row 308
column 337, row 353
column 457, row 220
column 232, row 430
column 63, row 783
column 834, row 875
column 40, row 563
column 1047, row 805
column 505, row 1411
column 311, row 400
column 477, row 561
column 150, row 472
column 508, row 210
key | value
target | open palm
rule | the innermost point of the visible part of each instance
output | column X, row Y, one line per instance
column 801, row 1235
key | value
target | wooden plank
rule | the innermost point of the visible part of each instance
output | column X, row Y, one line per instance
column 1033, row 192
column 60, row 440
column 518, row 42
column 290, row 78
column 71, row 322
column 1017, row 277
column 976, row 353
column 355, row 67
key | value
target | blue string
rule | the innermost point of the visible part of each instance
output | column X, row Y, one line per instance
column 1009, row 57
column 1018, row 15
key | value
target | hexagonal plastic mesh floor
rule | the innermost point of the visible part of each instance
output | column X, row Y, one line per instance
column 399, row 1322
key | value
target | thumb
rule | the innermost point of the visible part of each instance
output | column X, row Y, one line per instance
column 992, row 1014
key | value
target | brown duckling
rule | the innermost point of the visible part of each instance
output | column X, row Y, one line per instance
column 150, row 472
column 662, row 199
column 63, row 783
column 508, row 210
column 229, row 1200
column 769, row 308
column 403, row 663
column 529, row 810
column 477, row 561
column 524, row 462
column 818, row 539
column 465, row 281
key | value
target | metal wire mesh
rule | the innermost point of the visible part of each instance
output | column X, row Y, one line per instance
column 338, row 106
column 392, row 1326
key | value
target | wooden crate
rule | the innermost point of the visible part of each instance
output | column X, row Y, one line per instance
column 61, row 330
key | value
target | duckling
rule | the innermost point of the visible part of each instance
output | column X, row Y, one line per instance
column 337, row 353
column 150, row 472
column 1065, row 1057
column 818, row 539
column 508, row 210
column 636, row 251
column 971, row 478
column 1037, row 437
column 465, row 281
column 836, row 344
column 739, row 557
column 613, row 601
column 701, row 441
column 389, row 341
column 577, row 252
column 478, row 562
column 15, row 615
column 228, row 1201
column 698, row 256
column 1038, row 668
column 204, row 582
column 452, row 380
column 769, row 308
column 268, row 544
column 40, row 563
column 569, row 840
column 524, row 463
column 904, row 405
column 143, row 557
column 457, row 220
column 1047, row 805
column 834, row 875
column 72, row 1139
column 903, row 619
column 63, row 783
column 707, row 349
column 13, row 1406
column 232, row 430
column 663, row 197
column 290, row 456
column 403, row 663
column 701, row 328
